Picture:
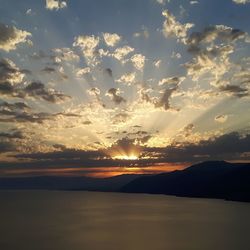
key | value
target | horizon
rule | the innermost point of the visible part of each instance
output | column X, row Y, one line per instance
column 87, row 91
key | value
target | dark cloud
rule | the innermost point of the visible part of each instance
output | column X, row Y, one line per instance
column 212, row 33
column 13, row 106
column 7, row 89
column 37, row 89
column 48, row 70
column 10, row 37
column 235, row 90
column 109, row 72
column 115, row 97
column 225, row 147
column 27, row 117
column 164, row 100
column 124, row 146
column 6, row 146
column 14, row 135
column 87, row 122
column 9, row 72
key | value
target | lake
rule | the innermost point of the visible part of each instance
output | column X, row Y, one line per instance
column 72, row 220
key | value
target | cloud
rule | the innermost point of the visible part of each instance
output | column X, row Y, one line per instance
column 187, row 130
column 37, row 89
column 88, row 45
column 143, row 33
column 213, row 61
column 111, row 39
column 6, row 146
column 211, row 34
column 231, row 146
column 171, row 27
column 241, row 1
column 162, row 2
column 10, row 37
column 8, row 109
column 194, row 2
column 121, row 117
column 94, row 91
column 128, row 78
column 221, row 118
column 113, row 93
column 235, row 90
column 138, row 61
column 163, row 101
column 157, row 63
column 23, row 117
column 29, row 12
column 65, row 54
column 81, row 72
column 48, row 70
column 10, row 73
column 55, row 4
column 108, row 71
column 14, row 135
column 171, row 80
column 122, row 52
column 124, row 147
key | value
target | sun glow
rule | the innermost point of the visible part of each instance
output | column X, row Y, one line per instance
column 131, row 157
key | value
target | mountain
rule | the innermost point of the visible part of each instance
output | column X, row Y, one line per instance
column 213, row 179
column 67, row 183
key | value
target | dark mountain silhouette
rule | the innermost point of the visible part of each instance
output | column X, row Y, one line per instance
column 214, row 179
column 67, row 183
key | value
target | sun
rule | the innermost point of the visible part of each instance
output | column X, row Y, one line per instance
column 131, row 157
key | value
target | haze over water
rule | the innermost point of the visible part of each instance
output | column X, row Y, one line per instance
column 91, row 220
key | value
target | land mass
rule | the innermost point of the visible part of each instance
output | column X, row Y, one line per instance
column 212, row 179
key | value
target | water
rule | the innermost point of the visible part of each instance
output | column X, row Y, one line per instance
column 53, row 220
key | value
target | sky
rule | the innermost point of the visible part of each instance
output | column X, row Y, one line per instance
column 100, row 88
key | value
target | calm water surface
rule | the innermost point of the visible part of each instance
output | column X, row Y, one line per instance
column 89, row 221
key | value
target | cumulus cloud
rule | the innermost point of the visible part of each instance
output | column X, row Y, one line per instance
column 241, row 1
column 88, row 45
column 81, row 72
column 94, row 91
column 138, row 61
column 65, row 54
column 128, row 78
column 10, row 37
column 172, row 27
column 211, row 34
column 111, row 39
column 10, row 73
column 122, row 52
column 55, row 4
column 114, row 94
column 214, row 61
